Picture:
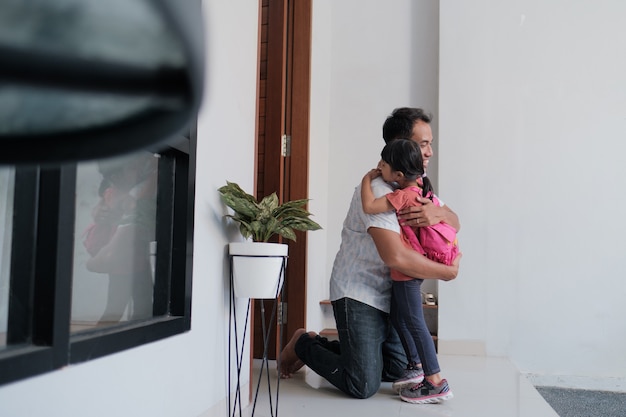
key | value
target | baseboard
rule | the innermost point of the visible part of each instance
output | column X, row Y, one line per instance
column 462, row 347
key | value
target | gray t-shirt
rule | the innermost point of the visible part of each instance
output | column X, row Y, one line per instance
column 359, row 272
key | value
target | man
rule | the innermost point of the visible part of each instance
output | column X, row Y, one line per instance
column 360, row 288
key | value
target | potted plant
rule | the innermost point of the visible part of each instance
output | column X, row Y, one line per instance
column 257, row 260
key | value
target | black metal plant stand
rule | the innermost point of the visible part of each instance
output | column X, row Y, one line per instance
column 235, row 404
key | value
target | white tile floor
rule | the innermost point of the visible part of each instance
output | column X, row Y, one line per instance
column 482, row 387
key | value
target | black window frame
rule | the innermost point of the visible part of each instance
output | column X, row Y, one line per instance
column 39, row 339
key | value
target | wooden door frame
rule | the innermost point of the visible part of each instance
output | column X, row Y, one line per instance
column 284, row 103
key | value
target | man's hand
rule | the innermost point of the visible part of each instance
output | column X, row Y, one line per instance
column 373, row 173
column 427, row 214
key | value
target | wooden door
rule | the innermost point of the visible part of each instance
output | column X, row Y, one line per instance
column 282, row 164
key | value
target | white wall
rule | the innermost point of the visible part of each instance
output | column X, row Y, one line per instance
column 226, row 151
column 532, row 128
column 183, row 375
column 318, row 260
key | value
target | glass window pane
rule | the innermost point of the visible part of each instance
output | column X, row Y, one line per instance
column 6, row 231
column 115, row 243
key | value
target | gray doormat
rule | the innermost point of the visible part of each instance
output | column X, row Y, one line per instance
column 584, row 403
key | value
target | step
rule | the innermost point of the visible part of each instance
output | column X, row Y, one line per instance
column 329, row 333
column 334, row 334
column 427, row 306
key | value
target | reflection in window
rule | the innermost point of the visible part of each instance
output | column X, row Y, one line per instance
column 6, row 230
column 115, row 240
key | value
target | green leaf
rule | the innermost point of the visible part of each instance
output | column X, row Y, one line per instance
column 287, row 233
column 267, row 218
column 242, row 206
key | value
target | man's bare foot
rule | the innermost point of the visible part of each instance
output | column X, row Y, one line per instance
column 289, row 361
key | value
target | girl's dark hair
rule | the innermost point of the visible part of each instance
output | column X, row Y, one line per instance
column 405, row 155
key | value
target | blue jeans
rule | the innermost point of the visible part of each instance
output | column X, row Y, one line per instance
column 367, row 352
column 407, row 316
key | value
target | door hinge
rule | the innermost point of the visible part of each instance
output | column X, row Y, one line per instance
column 286, row 145
column 282, row 313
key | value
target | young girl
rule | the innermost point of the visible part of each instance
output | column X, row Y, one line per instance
column 401, row 166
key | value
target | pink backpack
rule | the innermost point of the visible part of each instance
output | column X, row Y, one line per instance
column 437, row 242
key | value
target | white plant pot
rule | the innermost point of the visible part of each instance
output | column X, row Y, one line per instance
column 257, row 268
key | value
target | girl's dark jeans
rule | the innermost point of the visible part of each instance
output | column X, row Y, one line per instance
column 407, row 316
